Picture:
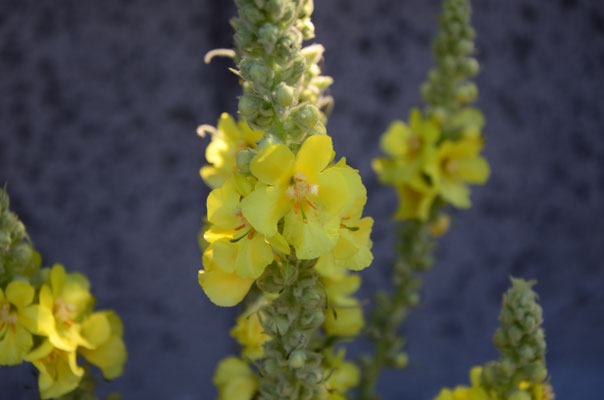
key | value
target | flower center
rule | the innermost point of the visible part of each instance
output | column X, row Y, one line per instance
column 415, row 145
column 249, row 233
column 300, row 192
column 8, row 318
column 63, row 311
column 451, row 166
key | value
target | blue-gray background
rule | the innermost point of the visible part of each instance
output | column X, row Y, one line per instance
column 98, row 109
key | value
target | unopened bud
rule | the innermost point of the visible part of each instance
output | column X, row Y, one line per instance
column 297, row 359
column 284, row 94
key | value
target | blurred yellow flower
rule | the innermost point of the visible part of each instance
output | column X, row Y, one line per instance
column 104, row 331
column 407, row 147
column 64, row 301
column 249, row 332
column 15, row 339
column 235, row 380
column 454, row 166
column 228, row 140
column 59, row 372
column 345, row 317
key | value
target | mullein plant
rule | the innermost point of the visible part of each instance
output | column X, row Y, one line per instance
column 283, row 214
column 47, row 318
column 430, row 161
column 520, row 373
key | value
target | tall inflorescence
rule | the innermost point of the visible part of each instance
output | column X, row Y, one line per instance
column 47, row 318
column 283, row 214
column 520, row 373
column 430, row 161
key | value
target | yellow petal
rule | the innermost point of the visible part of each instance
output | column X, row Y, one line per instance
column 394, row 141
column 273, row 165
column 110, row 357
column 414, row 204
column 264, row 207
column 213, row 177
column 39, row 320
column 253, row 255
column 313, row 238
column 279, row 243
column 57, row 278
column 222, row 205
column 341, row 190
column 345, row 321
column 228, row 127
column 314, row 155
column 224, row 254
column 96, row 329
column 43, row 350
column 250, row 134
column 456, row 193
column 14, row 345
column 473, row 170
column 20, row 293
column 223, row 288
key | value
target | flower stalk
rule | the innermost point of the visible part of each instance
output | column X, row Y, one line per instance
column 430, row 161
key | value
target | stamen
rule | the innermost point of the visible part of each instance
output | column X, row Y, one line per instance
column 304, row 219
column 298, row 208
column 311, row 204
column 240, row 227
column 251, row 234
column 241, row 237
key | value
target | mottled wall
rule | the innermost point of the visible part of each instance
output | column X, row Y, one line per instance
column 98, row 109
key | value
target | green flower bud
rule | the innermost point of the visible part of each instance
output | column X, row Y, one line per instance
column 306, row 116
column 284, row 94
column 270, row 365
column 251, row 14
column 249, row 106
column 275, row 9
column 244, row 158
column 313, row 377
column 297, row 359
column 267, row 36
column 401, row 360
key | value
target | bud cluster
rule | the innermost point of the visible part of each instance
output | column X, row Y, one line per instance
column 521, row 341
column 282, row 83
column 290, row 369
column 448, row 87
column 17, row 255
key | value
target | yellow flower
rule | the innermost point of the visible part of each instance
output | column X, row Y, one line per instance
column 227, row 141
column 235, row 380
column 224, row 288
column 346, row 316
column 301, row 189
column 353, row 249
column 475, row 392
column 454, row 166
column 64, row 301
column 15, row 339
column 407, row 148
column 104, row 331
column 237, row 246
column 416, row 198
column 249, row 332
column 343, row 376
column 59, row 372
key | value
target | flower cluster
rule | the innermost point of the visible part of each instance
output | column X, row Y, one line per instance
column 280, row 204
column 47, row 317
column 423, row 163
